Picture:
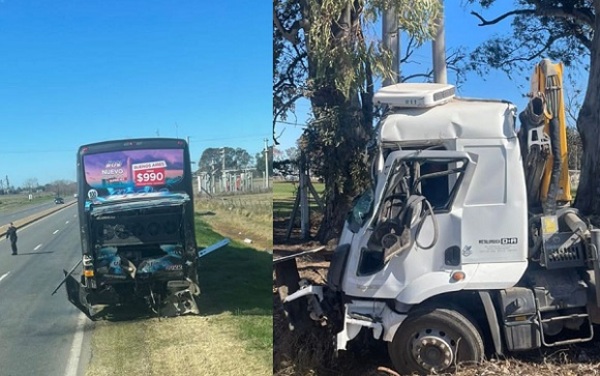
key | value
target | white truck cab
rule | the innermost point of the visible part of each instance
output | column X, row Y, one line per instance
column 436, row 255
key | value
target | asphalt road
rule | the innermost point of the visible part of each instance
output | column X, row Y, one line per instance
column 41, row 334
column 20, row 213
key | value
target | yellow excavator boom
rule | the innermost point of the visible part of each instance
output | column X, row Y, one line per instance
column 547, row 81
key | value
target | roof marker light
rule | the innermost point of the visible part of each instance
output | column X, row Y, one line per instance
column 458, row 276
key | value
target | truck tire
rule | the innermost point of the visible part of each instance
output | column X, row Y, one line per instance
column 435, row 341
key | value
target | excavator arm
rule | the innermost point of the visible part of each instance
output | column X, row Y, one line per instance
column 543, row 137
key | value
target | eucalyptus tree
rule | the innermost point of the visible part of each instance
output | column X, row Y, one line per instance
column 324, row 52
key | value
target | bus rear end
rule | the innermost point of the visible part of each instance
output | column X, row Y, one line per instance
column 136, row 217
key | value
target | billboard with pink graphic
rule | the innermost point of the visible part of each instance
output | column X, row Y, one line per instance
column 134, row 171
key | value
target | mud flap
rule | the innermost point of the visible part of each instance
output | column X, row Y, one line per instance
column 78, row 296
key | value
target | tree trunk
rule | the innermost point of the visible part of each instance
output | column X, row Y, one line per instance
column 343, row 123
column 336, row 209
column 588, row 124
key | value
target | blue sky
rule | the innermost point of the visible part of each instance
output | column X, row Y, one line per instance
column 79, row 71
column 461, row 30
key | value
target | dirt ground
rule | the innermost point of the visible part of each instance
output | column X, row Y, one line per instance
column 310, row 352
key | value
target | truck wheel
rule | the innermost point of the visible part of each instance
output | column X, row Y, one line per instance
column 435, row 341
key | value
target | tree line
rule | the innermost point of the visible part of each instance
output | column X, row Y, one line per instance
column 228, row 158
column 61, row 187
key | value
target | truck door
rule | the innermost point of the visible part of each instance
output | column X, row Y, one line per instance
column 418, row 193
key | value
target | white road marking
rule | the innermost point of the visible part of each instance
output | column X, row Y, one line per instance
column 75, row 354
column 67, row 222
column 4, row 276
column 55, row 232
column 37, row 247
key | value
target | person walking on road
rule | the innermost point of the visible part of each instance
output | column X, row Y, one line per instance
column 12, row 234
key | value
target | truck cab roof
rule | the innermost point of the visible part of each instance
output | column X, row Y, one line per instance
column 428, row 112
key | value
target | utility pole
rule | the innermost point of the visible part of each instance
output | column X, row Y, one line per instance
column 266, row 163
column 223, row 159
column 187, row 140
column 304, row 206
column 212, row 176
column 391, row 42
column 438, row 52
column 223, row 180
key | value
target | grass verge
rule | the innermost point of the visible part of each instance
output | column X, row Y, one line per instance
column 241, row 217
column 284, row 194
column 13, row 202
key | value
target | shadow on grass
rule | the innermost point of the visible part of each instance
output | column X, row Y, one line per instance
column 128, row 312
column 236, row 279
column 283, row 208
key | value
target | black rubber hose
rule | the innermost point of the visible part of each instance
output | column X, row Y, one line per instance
column 550, row 205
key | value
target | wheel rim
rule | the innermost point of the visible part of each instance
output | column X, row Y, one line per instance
column 434, row 350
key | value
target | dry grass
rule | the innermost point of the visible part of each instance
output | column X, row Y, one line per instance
column 241, row 217
column 12, row 202
column 180, row 346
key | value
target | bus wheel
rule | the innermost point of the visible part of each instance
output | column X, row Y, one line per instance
column 435, row 341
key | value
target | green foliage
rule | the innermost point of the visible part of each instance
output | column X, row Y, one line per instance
column 212, row 159
column 319, row 43
column 292, row 154
column 260, row 161
column 338, row 50
column 574, row 148
column 336, row 143
column 417, row 18
column 540, row 28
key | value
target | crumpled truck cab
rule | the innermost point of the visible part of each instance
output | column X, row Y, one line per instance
column 443, row 251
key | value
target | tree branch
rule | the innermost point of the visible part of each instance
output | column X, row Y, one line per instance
column 416, row 75
column 583, row 14
column 584, row 40
column 283, row 109
column 580, row 15
column 536, row 55
column 409, row 50
column 289, row 72
column 485, row 22
column 291, row 34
